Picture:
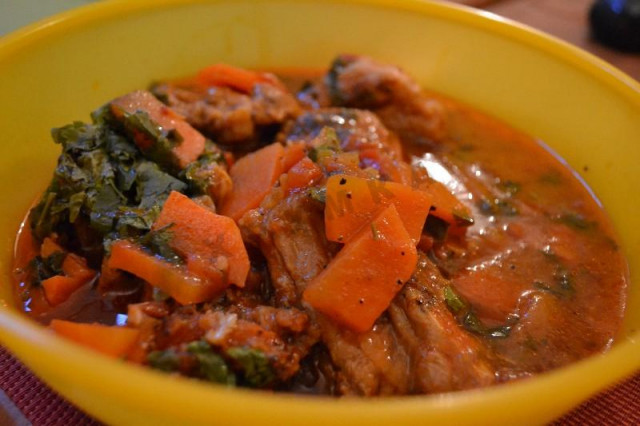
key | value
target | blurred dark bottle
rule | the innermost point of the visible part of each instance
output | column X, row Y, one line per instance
column 616, row 23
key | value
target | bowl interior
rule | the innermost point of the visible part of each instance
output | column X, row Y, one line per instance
column 59, row 71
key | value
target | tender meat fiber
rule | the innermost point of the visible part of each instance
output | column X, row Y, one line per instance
column 357, row 130
column 418, row 347
column 443, row 356
column 360, row 82
column 230, row 117
column 290, row 234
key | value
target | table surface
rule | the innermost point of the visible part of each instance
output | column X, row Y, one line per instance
column 26, row 400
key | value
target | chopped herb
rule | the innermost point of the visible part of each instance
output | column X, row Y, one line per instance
column 158, row 240
column 462, row 217
column 256, row 368
column 510, row 187
column 497, row 206
column 326, row 145
column 468, row 319
column 102, row 180
column 577, row 221
column 374, row 231
column 211, row 366
column 47, row 267
column 166, row 360
column 164, row 141
column 551, row 178
column 318, row 194
column 453, row 301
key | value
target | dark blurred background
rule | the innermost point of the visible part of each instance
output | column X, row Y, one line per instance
column 569, row 20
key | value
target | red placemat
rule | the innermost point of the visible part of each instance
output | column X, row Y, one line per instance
column 30, row 400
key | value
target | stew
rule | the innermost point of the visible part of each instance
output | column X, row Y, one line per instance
column 355, row 236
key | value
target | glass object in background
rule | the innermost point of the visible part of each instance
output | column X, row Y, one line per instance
column 616, row 23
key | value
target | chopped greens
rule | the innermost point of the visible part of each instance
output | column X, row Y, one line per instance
column 257, row 370
column 469, row 320
column 167, row 360
column 102, row 178
column 211, row 366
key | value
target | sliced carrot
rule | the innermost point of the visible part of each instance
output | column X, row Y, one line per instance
column 206, row 240
column 303, row 174
column 174, row 280
column 114, row 341
column 360, row 282
column 253, row 176
column 76, row 266
column 292, row 154
column 185, row 151
column 49, row 247
column 240, row 79
column 446, row 206
column 58, row 288
column 352, row 202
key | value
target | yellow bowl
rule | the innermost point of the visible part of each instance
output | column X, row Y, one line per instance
column 60, row 69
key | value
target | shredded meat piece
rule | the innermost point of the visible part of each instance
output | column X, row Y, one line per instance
column 360, row 82
column 290, row 234
column 230, row 117
column 444, row 357
column 357, row 130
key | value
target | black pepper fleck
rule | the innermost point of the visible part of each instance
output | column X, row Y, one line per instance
column 349, row 195
column 361, row 301
column 402, row 253
column 343, row 181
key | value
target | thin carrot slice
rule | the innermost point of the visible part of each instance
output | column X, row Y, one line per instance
column 58, row 288
column 114, row 341
column 302, row 175
column 292, row 155
column 240, row 79
column 447, row 207
column 174, row 280
column 352, row 202
column 360, row 282
column 201, row 236
column 49, row 247
column 185, row 151
column 253, row 176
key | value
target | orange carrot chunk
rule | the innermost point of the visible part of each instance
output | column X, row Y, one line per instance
column 114, row 341
column 225, row 75
column 174, row 280
column 352, row 202
column 253, row 176
column 49, row 247
column 303, row 174
column 190, row 143
column 447, row 207
column 58, row 288
column 360, row 282
column 207, row 241
column 292, row 154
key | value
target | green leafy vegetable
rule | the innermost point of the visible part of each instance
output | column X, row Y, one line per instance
column 102, row 180
column 211, row 366
column 167, row 360
column 163, row 141
column 257, row 370
column 468, row 319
